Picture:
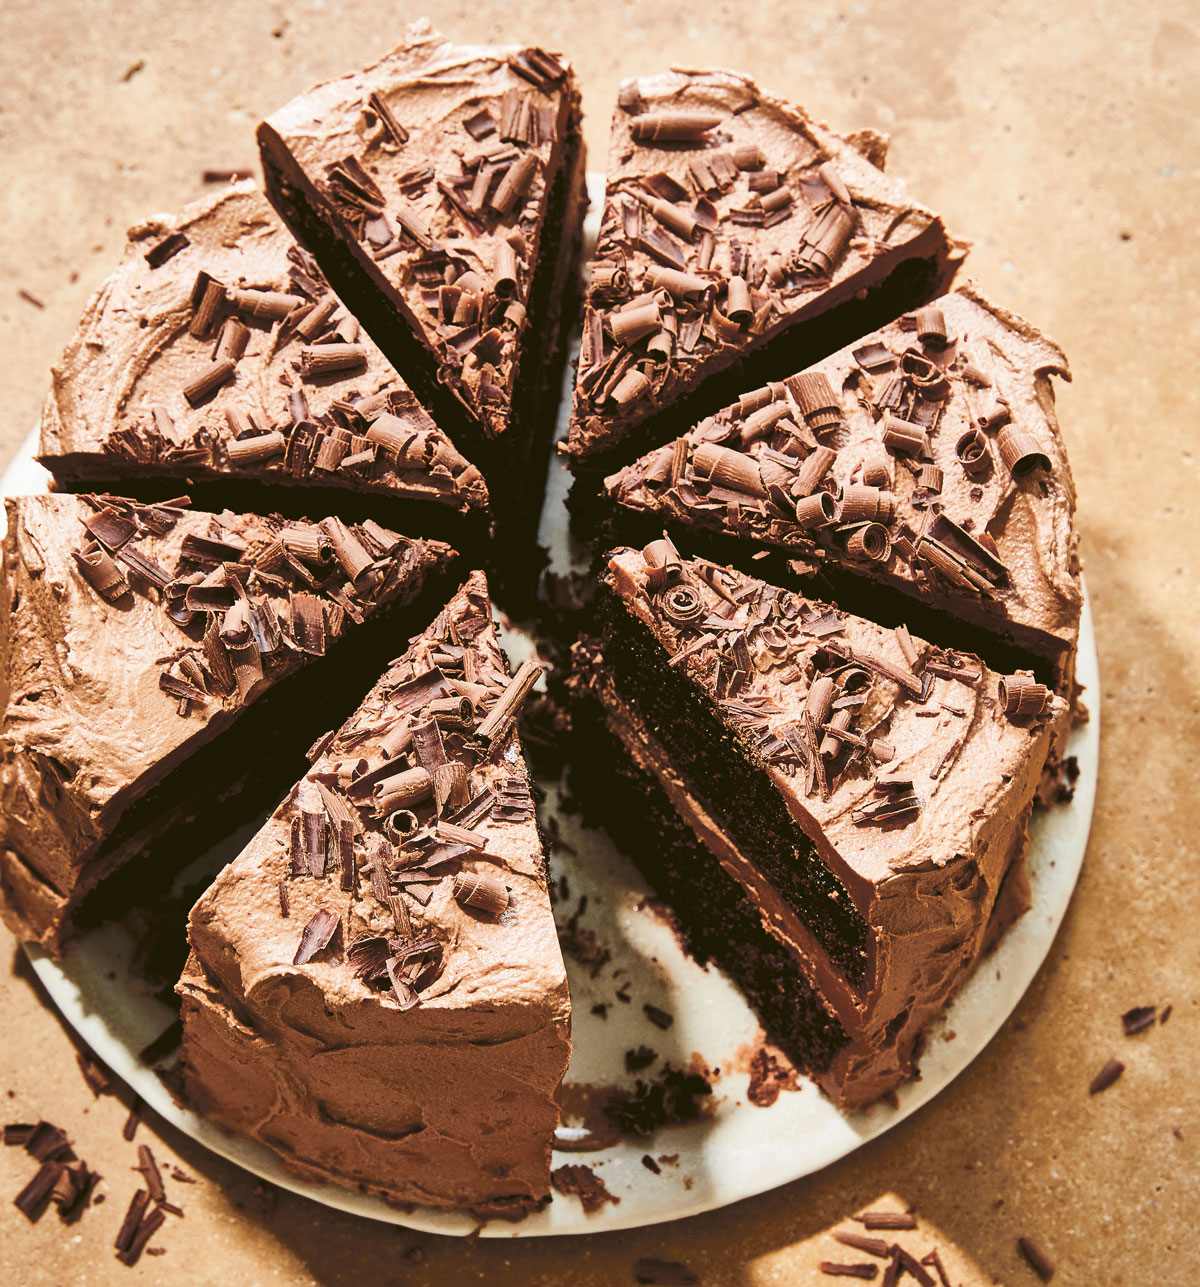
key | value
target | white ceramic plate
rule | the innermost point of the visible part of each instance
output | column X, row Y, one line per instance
column 738, row 1149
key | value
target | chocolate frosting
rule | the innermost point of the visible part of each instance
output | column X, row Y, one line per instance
column 309, row 398
column 990, row 542
column 919, row 816
column 439, row 1088
column 715, row 238
column 433, row 167
column 104, row 693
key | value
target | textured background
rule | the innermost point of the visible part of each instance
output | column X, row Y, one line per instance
column 1061, row 138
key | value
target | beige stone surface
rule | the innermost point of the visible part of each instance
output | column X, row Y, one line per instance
column 1063, row 139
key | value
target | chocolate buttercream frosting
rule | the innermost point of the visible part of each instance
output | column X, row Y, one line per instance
column 218, row 350
column 907, row 782
column 433, row 169
column 730, row 216
column 926, row 456
column 376, row 990
column 133, row 636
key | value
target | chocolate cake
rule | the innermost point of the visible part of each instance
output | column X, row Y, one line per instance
column 376, row 989
column 839, row 809
column 740, row 240
column 135, row 639
column 218, row 354
column 922, row 462
column 441, row 190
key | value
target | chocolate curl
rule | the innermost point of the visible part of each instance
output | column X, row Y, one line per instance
column 815, row 510
column 819, row 700
column 318, row 933
column 1021, row 695
column 824, row 242
column 931, row 478
column 725, row 468
column 812, row 469
column 1020, row 452
column 662, row 558
column 231, row 341
column 928, row 378
column 831, row 743
column 398, row 824
column 870, row 541
column 503, row 715
column 995, row 416
column 762, row 422
column 680, row 604
column 902, row 436
column 607, row 279
column 313, row 322
column 931, row 327
column 973, row 454
column 346, row 548
column 101, row 573
column 877, row 469
column 323, row 359
column 829, row 176
column 680, row 221
column 258, row 447
column 207, row 297
column 678, row 285
column 484, row 892
column 409, row 787
column 747, row 156
column 818, row 403
column 632, row 387
column 209, row 381
column 450, row 785
column 737, row 304
column 673, row 127
column 310, row 544
column 629, row 325
column 267, row 305
column 862, row 504
column 505, row 284
column 515, row 184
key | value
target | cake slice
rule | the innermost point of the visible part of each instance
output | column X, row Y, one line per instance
column 839, row 809
column 217, row 353
column 148, row 678
column 376, row 989
column 441, row 190
column 923, row 462
column 740, row 239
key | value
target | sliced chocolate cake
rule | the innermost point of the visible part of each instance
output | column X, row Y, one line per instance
column 839, row 810
column 441, row 190
column 376, row 989
column 740, row 240
column 923, row 462
column 218, row 354
column 148, row 681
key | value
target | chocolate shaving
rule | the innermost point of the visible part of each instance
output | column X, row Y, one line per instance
column 662, row 1273
column 836, row 1269
column 161, row 251
column 887, row 1220
column 673, row 126
column 1036, row 1258
column 1106, row 1076
column 317, row 935
column 1138, row 1019
column 860, row 1242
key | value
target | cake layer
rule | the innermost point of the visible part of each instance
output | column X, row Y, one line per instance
column 442, row 190
column 740, row 238
column 376, row 989
column 868, row 791
column 135, row 637
column 925, row 459
column 217, row 353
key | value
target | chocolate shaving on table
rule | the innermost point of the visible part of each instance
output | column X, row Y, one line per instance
column 838, row 1269
column 886, row 1220
column 1106, row 1076
column 1036, row 1257
column 150, row 1224
column 860, row 1242
column 662, row 1273
column 1138, row 1019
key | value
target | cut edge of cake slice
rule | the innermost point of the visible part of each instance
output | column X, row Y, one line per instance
column 376, row 989
column 841, row 806
column 151, row 671
column 218, row 354
column 740, row 239
column 919, row 470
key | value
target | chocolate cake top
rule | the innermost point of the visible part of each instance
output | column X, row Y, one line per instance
column 892, row 754
column 137, row 629
column 926, row 454
column 729, row 215
column 436, row 165
column 405, row 869
column 218, row 348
